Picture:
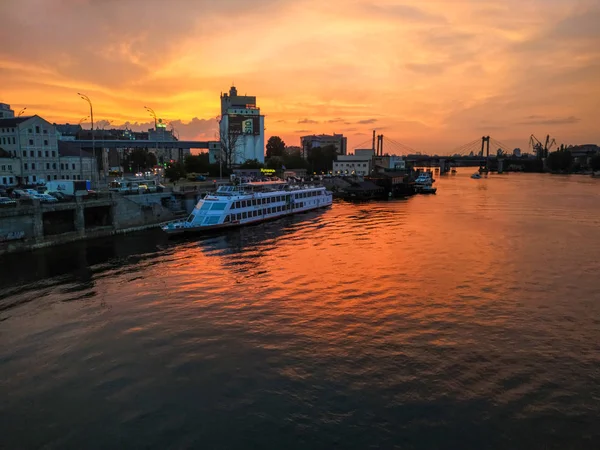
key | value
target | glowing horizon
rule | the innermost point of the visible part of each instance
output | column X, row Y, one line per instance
column 432, row 75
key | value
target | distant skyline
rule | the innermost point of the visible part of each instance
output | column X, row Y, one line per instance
column 430, row 74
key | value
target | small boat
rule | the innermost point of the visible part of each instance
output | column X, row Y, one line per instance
column 424, row 179
column 476, row 176
column 428, row 190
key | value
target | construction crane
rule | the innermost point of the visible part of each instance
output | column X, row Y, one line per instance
column 541, row 150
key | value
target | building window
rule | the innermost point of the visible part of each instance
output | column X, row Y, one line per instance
column 3, row 169
column 29, row 130
column 14, row 141
column 46, row 153
column 45, row 141
column 62, row 166
column 30, row 141
column 10, row 167
column 73, row 166
column 10, row 180
column 56, row 177
column 31, row 153
column 32, row 166
column 47, row 166
column 37, row 129
column 53, row 154
column 4, row 142
column 45, row 131
column 3, row 180
column 34, row 178
column 54, row 166
column 39, row 153
column 25, row 166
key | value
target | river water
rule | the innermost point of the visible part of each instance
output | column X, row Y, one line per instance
column 467, row 320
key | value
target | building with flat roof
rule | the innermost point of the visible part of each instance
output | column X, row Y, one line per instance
column 322, row 140
column 5, row 111
column 360, row 163
column 241, row 129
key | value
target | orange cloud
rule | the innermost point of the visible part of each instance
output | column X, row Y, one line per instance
column 432, row 75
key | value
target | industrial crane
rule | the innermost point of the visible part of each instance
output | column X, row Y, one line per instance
column 541, row 150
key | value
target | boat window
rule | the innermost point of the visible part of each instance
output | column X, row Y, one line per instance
column 211, row 220
column 239, row 216
column 244, row 215
column 227, row 219
column 237, row 205
column 205, row 206
column 218, row 206
column 190, row 218
column 255, row 213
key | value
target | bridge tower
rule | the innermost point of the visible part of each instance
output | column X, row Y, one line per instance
column 485, row 140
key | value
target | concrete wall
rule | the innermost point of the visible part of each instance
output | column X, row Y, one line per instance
column 33, row 226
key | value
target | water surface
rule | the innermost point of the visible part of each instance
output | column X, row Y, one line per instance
column 469, row 319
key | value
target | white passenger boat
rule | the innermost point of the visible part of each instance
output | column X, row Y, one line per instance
column 249, row 203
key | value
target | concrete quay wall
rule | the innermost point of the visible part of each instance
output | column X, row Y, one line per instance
column 28, row 227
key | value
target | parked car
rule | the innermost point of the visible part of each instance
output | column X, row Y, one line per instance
column 21, row 194
column 5, row 201
column 44, row 198
column 61, row 197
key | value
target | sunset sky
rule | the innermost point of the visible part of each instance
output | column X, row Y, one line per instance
column 430, row 74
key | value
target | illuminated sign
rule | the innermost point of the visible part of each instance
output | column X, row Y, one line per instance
column 267, row 171
column 243, row 124
column 248, row 126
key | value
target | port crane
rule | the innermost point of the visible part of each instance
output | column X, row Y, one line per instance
column 541, row 150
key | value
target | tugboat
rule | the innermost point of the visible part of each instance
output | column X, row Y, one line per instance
column 249, row 203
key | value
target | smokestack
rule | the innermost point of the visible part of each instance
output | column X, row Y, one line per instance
column 373, row 140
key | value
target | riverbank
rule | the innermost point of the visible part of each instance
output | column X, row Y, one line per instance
column 37, row 225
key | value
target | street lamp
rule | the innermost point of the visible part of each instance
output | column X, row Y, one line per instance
column 21, row 112
column 153, row 114
column 87, row 99
column 106, row 122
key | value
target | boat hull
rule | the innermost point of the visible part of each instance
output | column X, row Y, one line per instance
column 179, row 232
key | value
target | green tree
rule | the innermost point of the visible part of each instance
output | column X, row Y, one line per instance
column 560, row 161
column 595, row 162
column 251, row 164
column 292, row 159
column 320, row 159
column 197, row 163
column 275, row 146
column 275, row 162
column 139, row 160
column 175, row 171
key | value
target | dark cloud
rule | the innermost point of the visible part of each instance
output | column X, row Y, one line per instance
column 302, row 131
column 427, row 69
column 540, row 120
column 404, row 13
column 366, row 121
column 335, row 120
column 308, row 121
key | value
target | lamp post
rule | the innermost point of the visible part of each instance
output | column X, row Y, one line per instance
column 21, row 112
column 153, row 114
column 107, row 122
column 87, row 99
column 80, row 156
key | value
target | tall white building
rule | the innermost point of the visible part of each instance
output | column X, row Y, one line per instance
column 241, row 122
column 360, row 163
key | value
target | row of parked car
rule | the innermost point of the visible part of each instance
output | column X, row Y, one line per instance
column 9, row 197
